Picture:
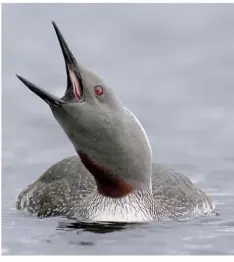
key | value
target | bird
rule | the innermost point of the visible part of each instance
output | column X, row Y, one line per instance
column 111, row 177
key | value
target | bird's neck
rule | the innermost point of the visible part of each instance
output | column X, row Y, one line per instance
column 107, row 184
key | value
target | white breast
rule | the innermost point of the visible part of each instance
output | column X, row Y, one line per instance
column 127, row 209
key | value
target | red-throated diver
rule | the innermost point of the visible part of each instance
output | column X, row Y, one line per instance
column 113, row 178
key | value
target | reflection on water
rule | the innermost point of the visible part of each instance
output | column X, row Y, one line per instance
column 96, row 227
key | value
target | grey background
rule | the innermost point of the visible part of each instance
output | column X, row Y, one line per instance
column 172, row 65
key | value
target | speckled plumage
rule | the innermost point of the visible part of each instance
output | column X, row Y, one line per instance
column 60, row 187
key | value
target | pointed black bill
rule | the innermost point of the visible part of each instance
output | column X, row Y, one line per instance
column 46, row 96
column 70, row 61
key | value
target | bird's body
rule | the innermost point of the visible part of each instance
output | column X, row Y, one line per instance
column 61, row 189
column 112, row 177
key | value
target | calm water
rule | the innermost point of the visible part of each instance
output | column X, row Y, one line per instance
column 173, row 67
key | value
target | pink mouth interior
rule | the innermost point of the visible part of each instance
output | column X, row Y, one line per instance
column 75, row 85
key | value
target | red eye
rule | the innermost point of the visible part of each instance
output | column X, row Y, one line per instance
column 98, row 90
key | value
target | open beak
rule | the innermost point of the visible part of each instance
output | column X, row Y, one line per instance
column 46, row 96
column 74, row 91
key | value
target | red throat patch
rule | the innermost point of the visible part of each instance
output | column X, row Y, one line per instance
column 107, row 184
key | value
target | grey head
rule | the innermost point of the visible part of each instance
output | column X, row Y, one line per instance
column 109, row 139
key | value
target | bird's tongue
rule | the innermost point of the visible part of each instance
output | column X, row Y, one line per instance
column 75, row 85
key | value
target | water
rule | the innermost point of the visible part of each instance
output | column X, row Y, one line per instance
column 173, row 67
